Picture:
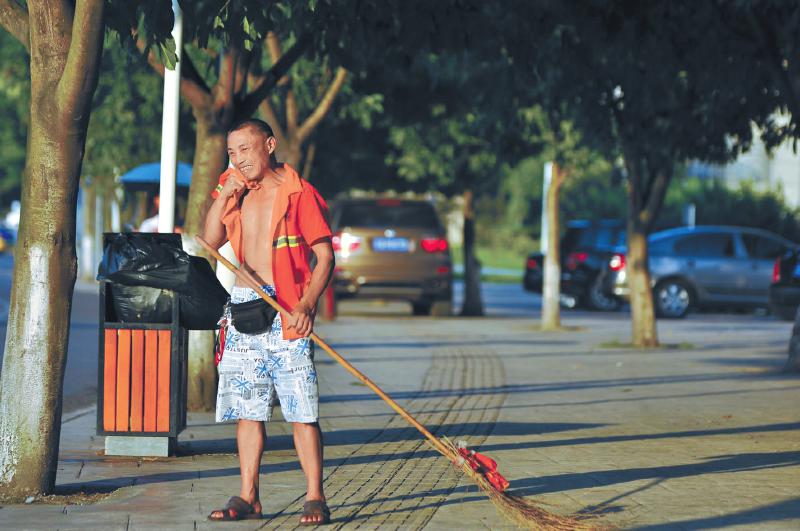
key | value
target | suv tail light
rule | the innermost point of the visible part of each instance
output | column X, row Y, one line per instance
column 433, row 245
column 776, row 271
column 617, row 262
column 576, row 258
column 344, row 244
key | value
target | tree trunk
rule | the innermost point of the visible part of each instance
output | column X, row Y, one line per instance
column 45, row 265
column 647, row 188
column 292, row 152
column 308, row 163
column 643, row 318
column 473, row 303
column 551, row 289
column 209, row 162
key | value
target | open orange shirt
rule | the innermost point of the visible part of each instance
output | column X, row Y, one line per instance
column 299, row 219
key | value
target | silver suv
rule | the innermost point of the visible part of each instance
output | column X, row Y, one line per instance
column 704, row 266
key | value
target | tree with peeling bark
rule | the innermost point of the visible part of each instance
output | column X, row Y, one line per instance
column 655, row 85
column 551, row 284
column 548, row 131
column 64, row 41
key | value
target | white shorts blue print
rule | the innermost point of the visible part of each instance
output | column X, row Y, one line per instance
column 258, row 370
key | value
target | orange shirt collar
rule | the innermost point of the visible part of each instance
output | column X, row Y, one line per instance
column 291, row 185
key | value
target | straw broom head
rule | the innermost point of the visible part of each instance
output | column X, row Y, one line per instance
column 522, row 512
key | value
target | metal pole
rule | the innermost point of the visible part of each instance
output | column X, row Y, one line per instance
column 169, row 131
column 548, row 177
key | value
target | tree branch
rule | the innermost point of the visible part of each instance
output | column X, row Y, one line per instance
column 81, row 69
column 242, row 68
column 274, row 49
column 654, row 200
column 324, row 105
column 193, row 87
column 14, row 19
column 274, row 122
column 278, row 70
column 291, row 112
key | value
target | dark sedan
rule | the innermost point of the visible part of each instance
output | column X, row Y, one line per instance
column 585, row 250
column 784, row 292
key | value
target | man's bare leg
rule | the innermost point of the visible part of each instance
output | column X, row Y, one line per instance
column 308, row 443
column 250, row 435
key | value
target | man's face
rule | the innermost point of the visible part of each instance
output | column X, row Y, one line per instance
column 249, row 151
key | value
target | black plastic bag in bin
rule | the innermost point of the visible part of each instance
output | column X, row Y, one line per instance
column 140, row 304
column 155, row 260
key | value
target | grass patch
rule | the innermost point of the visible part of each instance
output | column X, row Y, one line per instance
column 562, row 328
column 684, row 345
column 501, row 258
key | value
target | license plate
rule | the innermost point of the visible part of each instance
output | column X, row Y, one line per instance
column 390, row 245
column 796, row 272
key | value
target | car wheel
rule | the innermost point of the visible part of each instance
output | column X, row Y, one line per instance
column 597, row 299
column 673, row 299
column 421, row 308
column 785, row 313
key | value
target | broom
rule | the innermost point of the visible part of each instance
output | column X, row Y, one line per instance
column 480, row 468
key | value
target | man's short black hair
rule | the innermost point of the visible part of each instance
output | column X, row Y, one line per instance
column 260, row 125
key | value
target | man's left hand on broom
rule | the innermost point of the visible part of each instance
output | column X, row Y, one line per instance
column 301, row 319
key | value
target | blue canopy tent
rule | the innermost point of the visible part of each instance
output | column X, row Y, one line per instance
column 147, row 176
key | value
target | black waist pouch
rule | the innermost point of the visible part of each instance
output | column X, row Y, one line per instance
column 252, row 317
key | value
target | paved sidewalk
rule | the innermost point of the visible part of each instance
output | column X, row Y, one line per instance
column 696, row 437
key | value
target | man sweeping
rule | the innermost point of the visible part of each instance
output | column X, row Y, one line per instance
column 274, row 220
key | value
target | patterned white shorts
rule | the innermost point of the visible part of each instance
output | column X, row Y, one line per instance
column 257, row 371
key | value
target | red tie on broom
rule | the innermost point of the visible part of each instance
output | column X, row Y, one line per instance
column 482, row 469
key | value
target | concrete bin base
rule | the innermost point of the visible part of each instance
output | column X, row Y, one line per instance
column 140, row 446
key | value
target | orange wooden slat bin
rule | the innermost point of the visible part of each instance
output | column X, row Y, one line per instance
column 142, row 387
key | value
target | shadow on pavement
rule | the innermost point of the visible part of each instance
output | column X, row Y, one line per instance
column 366, row 436
column 775, row 512
column 567, row 386
column 713, row 465
column 788, row 426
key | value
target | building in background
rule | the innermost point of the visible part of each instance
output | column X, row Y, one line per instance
column 779, row 171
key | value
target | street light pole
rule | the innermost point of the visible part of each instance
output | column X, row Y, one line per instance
column 169, row 130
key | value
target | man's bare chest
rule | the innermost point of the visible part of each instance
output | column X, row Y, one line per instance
column 257, row 212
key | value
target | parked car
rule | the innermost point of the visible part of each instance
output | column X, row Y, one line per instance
column 586, row 248
column 784, row 292
column 7, row 238
column 393, row 249
column 705, row 266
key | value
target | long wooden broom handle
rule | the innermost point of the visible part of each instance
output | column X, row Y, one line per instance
column 254, row 284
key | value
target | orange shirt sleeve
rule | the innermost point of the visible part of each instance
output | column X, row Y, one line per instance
column 312, row 215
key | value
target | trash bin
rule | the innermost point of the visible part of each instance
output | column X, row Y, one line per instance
column 143, row 344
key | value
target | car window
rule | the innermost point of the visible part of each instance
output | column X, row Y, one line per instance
column 762, row 246
column 661, row 247
column 591, row 237
column 709, row 245
column 388, row 213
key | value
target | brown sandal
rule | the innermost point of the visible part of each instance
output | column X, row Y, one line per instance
column 316, row 508
column 236, row 509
